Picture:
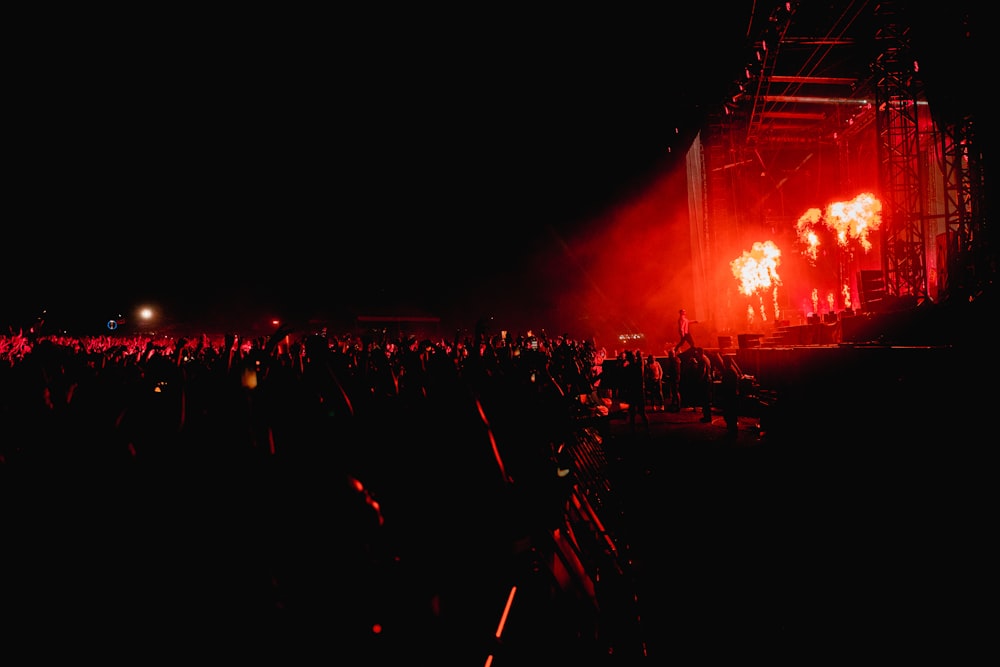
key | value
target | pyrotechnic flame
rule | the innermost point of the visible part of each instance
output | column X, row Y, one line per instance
column 848, row 220
column 758, row 269
column 803, row 228
column 846, row 293
column 831, row 302
column 815, row 300
column 853, row 219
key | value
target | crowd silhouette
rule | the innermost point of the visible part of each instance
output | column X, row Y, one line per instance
column 323, row 494
column 362, row 488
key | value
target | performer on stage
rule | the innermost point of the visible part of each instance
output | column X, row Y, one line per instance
column 684, row 330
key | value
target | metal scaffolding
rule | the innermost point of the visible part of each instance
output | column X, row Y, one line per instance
column 964, row 192
column 853, row 93
column 897, row 106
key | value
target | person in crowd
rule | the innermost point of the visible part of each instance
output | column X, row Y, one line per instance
column 717, row 364
column 705, row 384
column 633, row 388
column 613, row 378
column 684, row 330
column 654, row 383
column 729, row 393
column 672, row 379
column 696, row 381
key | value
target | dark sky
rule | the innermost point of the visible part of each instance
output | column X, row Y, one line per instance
column 339, row 164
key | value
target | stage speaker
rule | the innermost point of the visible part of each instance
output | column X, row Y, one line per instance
column 871, row 287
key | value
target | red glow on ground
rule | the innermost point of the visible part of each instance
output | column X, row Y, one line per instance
column 506, row 612
column 493, row 441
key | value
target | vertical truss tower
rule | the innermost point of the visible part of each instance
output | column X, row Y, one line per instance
column 898, row 97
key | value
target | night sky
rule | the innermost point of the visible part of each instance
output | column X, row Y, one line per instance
column 239, row 168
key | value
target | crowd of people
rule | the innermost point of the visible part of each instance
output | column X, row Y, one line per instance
column 258, row 472
column 141, row 397
column 242, row 458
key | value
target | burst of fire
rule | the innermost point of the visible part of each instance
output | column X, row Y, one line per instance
column 807, row 235
column 854, row 219
column 848, row 220
column 757, row 270
column 846, row 293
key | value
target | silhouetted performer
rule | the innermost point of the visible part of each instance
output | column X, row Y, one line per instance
column 684, row 330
